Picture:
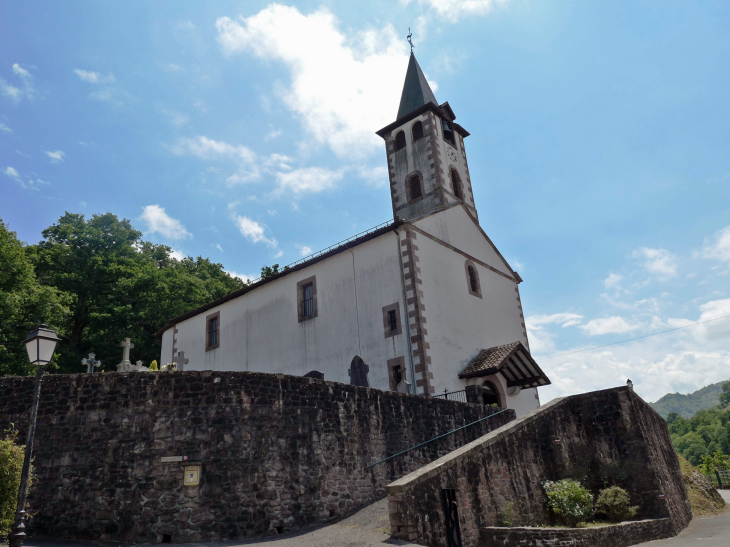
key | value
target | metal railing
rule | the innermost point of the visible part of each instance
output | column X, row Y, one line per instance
column 327, row 249
column 452, row 396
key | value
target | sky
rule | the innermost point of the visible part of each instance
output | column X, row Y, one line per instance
column 245, row 132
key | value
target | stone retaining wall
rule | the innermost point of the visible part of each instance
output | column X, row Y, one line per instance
column 276, row 452
column 609, row 437
column 616, row 535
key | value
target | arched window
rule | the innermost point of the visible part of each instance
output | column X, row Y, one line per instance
column 473, row 279
column 414, row 185
column 456, row 184
column 490, row 395
column 417, row 131
column 400, row 140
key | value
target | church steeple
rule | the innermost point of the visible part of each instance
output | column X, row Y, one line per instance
column 416, row 91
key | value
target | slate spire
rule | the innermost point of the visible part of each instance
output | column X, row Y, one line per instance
column 416, row 91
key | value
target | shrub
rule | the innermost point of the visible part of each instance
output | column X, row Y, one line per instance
column 11, row 466
column 616, row 503
column 505, row 517
column 153, row 366
column 568, row 500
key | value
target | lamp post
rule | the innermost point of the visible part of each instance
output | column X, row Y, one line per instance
column 40, row 345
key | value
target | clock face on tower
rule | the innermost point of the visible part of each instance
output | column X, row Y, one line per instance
column 451, row 153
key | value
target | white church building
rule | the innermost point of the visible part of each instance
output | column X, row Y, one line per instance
column 426, row 298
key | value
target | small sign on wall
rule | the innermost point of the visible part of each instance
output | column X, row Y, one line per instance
column 192, row 475
column 171, row 459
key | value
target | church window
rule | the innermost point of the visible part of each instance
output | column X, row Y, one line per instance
column 396, row 372
column 212, row 331
column 391, row 320
column 414, row 185
column 456, row 184
column 307, row 298
column 400, row 140
column 417, row 131
column 448, row 132
column 472, row 279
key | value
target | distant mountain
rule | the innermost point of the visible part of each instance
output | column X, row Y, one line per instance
column 687, row 405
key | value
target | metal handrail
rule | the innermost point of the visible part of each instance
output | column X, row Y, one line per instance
column 436, row 438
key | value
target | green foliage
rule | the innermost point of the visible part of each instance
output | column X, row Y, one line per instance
column 506, row 517
column 271, row 271
column 96, row 282
column 569, row 501
column 153, row 366
column 706, row 433
column 24, row 303
column 11, row 466
column 687, row 405
column 725, row 395
column 616, row 503
column 714, row 462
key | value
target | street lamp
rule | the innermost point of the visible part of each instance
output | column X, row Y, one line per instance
column 40, row 345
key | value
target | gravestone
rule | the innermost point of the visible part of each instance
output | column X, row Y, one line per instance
column 180, row 361
column 315, row 374
column 403, row 387
column 138, row 367
column 359, row 372
column 125, row 365
column 90, row 363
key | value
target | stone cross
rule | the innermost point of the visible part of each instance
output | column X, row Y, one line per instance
column 180, row 360
column 139, row 367
column 90, row 363
column 359, row 372
column 125, row 365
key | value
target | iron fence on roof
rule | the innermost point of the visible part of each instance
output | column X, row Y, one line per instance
column 330, row 248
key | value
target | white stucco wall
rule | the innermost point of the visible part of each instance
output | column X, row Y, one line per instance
column 259, row 331
column 460, row 325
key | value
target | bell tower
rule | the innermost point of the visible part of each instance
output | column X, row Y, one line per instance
column 427, row 164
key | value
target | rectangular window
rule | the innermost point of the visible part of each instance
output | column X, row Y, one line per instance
column 212, row 331
column 307, row 298
column 392, row 320
column 396, row 372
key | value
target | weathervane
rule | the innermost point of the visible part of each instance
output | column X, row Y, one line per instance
column 409, row 38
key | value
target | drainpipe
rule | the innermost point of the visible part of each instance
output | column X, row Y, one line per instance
column 405, row 311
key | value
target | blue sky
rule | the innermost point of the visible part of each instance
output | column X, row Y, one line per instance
column 244, row 131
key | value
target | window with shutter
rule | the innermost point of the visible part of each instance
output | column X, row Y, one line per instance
column 417, row 131
column 400, row 140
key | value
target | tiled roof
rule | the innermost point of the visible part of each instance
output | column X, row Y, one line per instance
column 512, row 360
column 416, row 91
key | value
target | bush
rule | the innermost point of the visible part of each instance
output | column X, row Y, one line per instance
column 153, row 366
column 568, row 500
column 616, row 503
column 11, row 466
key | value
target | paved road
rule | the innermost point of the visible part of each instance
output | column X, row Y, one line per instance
column 366, row 528
column 705, row 531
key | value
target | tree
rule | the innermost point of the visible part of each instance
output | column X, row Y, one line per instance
column 725, row 395
column 24, row 304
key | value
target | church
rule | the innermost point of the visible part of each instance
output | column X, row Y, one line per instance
column 426, row 301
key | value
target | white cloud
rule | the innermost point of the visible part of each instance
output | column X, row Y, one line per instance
column 376, row 176
column 339, row 107
column 304, row 250
column 242, row 277
column 209, row 149
column 82, row 203
column 563, row 319
column 612, row 281
column 252, row 230
column 453, row 10
column 5, row 129
column 16, row 93
column 272, row 134
column 56, row 155
column 177, row 255
column 659, row 262
column 607, row 325
column 307, row 179
column 719, row 247
column 158, row 221
column 94, row 77
column 12, row 173
column 178, row 119
column 218, row 246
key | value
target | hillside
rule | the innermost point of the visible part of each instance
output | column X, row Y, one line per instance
column 687, row 405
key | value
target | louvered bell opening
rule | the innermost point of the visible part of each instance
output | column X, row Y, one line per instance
column 400, row 140
column 415, row 184
column 448, row 133
column 417, row 131
column 456, row 183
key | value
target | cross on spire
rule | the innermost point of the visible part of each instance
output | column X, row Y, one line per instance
column 409, row 38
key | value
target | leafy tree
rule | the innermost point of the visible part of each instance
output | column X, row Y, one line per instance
column 725, row 395
column 12, row 456
column 24, row 304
